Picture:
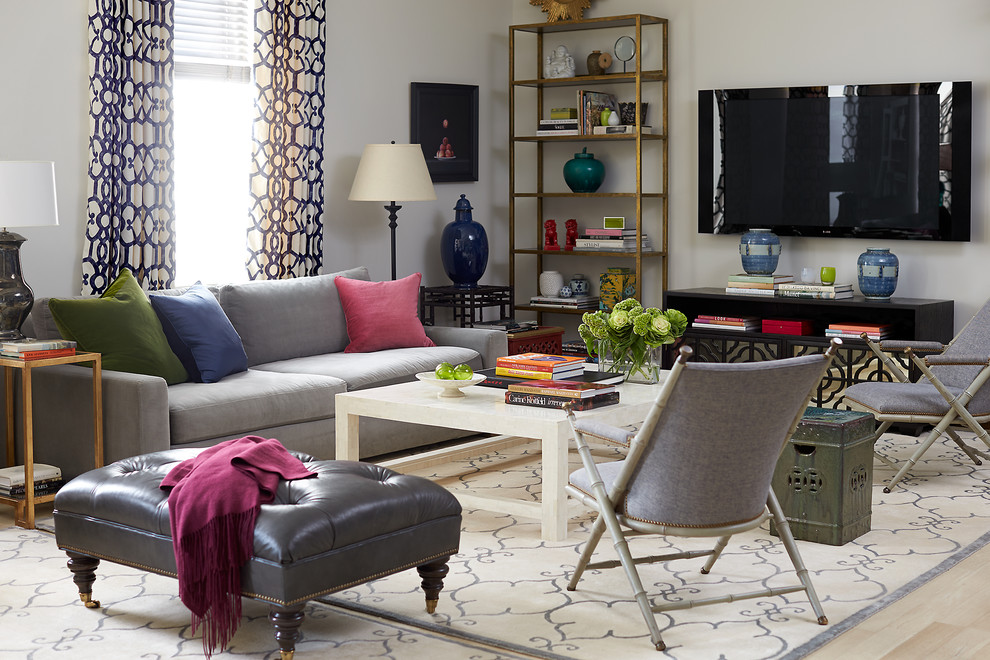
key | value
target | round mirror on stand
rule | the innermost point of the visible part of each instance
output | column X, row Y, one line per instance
column 625, row 50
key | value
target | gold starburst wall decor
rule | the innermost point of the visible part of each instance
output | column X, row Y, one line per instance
column 562, row 10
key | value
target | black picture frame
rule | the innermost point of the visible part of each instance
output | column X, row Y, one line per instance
column 439, row 112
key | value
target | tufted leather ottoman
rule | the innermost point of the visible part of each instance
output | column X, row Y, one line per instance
column 352, row 523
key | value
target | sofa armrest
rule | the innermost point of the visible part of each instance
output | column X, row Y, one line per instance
column 490, row 344
column 135, row 416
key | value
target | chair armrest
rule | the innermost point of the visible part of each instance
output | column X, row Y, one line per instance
column 897, row 345
column 490, row 344
column 957, row 360
column 135, row 416
column 604, row 432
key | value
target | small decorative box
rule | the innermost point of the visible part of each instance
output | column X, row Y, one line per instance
column 787, row 326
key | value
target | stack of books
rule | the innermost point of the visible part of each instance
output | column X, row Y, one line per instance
column 47, row 479
column 756, row 285
column 875, row 331
column 621, row 129
column 739, row 323
column 558, row 127
column 557, row 393
column 502, row 382
column 37, row 349
column 611, row 240
column 540, row 366
column 574, row 347
column 590, row 106
column 822, row 291
column 572, row 302
column 509, row 326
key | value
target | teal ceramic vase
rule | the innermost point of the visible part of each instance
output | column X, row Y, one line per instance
column 584, row 173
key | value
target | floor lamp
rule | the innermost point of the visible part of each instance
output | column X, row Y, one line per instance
column 389, row 173
column 27, row 199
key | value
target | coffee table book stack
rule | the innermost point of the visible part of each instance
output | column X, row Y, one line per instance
column 558, row 393
column 37, row 349
column 756, row 285
column 541, row 366
column 875, row 331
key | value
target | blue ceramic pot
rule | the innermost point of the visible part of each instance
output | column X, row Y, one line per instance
column 760, row 251
column 464, row 247
column 877, row 271
column 584, row 174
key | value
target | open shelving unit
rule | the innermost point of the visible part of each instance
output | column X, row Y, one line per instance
column 638, row 159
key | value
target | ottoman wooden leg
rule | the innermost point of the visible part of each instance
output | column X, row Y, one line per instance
column 286, row 621
column 83, row 569
column 433, row 575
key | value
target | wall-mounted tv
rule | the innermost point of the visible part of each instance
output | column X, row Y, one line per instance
column 864, row 161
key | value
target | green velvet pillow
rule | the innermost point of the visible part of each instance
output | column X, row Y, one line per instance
column 122, row 326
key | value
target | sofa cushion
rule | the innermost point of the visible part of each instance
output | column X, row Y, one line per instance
column 123, row 327
column 282, row 319
column 244, row 402
column 382, row 315
column 362, row 370
column 200, row 334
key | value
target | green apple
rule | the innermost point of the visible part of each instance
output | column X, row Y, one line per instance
column 444, row 371
column 463, row 372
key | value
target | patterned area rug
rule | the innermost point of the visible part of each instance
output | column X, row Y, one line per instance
column 505, row 597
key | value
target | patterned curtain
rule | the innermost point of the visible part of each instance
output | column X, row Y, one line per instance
column 130, row 208
column 286, row 239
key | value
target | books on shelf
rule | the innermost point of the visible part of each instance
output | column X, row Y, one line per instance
column 749, row 292
column 502, row 382
column 28, row 345
column 590, row 106
column 766, row 279
column 574, row 302
column 856, row 330
column 603, row 232
column 545, row 132
column 622, row 129
column 825, row 288
column 43, row 487
column 816, row 295
column 562, row 124
column 14, row 475
column 508, row 325
column 548, row 401
column 567, row 388
column 725, row 326
column 598, row 243
column 534, row 361
column 709, row 322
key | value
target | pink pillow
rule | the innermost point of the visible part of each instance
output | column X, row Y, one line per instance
column 382, row 315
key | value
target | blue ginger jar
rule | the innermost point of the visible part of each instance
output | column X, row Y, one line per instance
column 464, row 247
column 877, row 271
column 760, row 251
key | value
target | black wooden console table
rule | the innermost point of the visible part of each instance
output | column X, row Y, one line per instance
column 468, row 305
column 912, row 318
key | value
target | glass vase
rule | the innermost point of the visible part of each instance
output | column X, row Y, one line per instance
column 647, row 370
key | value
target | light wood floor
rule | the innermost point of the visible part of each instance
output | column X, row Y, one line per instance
column 949, row 617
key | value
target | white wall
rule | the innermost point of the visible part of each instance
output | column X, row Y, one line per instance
column 727, row 43
column 377, row 48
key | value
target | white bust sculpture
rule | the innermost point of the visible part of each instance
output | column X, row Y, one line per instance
column 559, row 64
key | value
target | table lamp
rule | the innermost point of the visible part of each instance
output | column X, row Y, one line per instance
column 27, row 199
column 389, row 173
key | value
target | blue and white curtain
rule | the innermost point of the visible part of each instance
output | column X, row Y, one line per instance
column 130, row 208
column 286, row 236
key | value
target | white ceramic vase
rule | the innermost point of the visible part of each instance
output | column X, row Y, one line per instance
column 550, row 282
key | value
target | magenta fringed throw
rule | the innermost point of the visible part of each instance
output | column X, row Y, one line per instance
column 212, row 507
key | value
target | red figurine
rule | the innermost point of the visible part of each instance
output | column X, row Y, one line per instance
column 570, row 238
column 550, row 235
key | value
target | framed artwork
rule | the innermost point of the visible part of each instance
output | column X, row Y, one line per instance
column 444, row 122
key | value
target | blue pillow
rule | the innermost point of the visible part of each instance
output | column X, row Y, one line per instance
column 200, row 334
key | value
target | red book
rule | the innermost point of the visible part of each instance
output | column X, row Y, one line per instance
column 566, row 388
column 723, row 319
column 539, row 362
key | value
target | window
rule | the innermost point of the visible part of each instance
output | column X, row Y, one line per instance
column 213, row 106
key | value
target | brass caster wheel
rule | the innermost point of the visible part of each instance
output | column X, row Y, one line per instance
column 431, row 606
column 89, row 602
column 823, row 620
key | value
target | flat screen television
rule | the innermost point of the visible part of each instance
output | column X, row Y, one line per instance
column 865, row 161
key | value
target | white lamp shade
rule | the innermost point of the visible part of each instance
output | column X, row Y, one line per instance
column 392, row 173
column 27, row 194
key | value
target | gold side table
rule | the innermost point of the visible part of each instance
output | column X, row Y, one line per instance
column 24, row 506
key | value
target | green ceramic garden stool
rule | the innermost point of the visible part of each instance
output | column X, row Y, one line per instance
column 824, row 476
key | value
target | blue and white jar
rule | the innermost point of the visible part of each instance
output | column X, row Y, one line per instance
column 580, row 286
column 877, row 270
column 760, row 251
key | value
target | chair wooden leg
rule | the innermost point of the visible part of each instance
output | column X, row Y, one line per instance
column 784, row 532
column 286, row 621
column 589, row 549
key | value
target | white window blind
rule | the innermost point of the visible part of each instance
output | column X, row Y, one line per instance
column 213, row 38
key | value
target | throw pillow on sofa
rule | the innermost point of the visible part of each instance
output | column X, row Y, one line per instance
column 382, row 315
column 200, row 334
column 122, row 326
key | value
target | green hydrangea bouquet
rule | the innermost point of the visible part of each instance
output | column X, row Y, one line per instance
column 629, row 337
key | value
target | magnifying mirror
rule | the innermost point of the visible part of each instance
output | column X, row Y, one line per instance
column 625, row 49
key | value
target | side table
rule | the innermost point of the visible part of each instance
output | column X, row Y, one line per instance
column 544, row 339
column 24, row 506
column 467, row 304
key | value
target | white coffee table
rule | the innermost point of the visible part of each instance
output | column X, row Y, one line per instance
column 483, row 410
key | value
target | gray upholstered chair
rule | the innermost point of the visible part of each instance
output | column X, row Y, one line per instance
column 699, row 466
column 949, row 393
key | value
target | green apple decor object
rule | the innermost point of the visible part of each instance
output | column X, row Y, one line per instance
column 584, row 173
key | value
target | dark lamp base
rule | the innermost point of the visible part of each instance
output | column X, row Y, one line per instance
column 16, row 297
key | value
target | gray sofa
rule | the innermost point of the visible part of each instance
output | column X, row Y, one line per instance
column 294, row 334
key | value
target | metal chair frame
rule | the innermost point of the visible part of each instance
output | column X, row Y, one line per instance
column 607, row 501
